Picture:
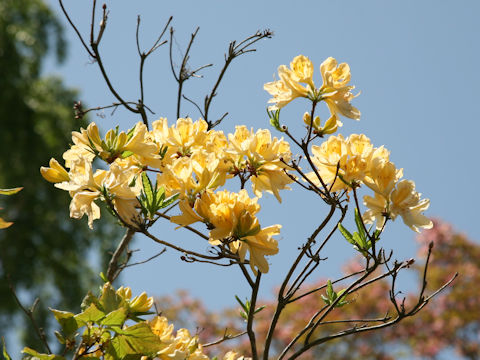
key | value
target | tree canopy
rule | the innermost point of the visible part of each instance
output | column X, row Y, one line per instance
column 44, row 254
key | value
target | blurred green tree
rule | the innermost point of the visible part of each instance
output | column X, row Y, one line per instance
column 44, row 252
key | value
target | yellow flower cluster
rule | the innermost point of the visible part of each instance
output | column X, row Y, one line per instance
column 343, row 162
column 335, row 90
column 187, row 157
column 182, row 345
column 190, row 161
column 231, row 218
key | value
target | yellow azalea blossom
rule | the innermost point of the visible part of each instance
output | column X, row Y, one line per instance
column 231, row 220
column 406, row 202
column 189, row 176
column 288, row 87
column 183, row 347
column 140, row 303
column 161, row 328
column 335, row 91
column 56, row 173
column 302, row 70
column 84, row 188
column 181, row 139
column 88, row 143
column 118, row 183
column 124, row 292
column 262, row 157
column 382, row 177
column 351, row 155
column 377, row 210
column 232, row 355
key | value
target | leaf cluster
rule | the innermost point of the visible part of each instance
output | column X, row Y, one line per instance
column 101, row 330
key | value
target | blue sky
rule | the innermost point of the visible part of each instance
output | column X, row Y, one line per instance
column 415, row 63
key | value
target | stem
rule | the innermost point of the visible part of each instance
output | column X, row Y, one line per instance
column 251, row 313
column 114, row 268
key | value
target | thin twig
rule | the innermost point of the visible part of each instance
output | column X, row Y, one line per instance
column 75, row 29
column 29, row 313
column 224, row 338
column 114, row 268
column 234, row 50
column 145, row 261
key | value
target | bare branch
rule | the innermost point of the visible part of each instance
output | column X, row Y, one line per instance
column 224, row 338
column 29, row 314
column 114, row 268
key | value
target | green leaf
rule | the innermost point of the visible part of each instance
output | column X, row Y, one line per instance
column 4, row 350
column 136, row 339
column 360, row 226
column 160, row 194
column 91, row 314
column 241, row 303
column 330, row 291
column 342, row 300
column 346, row 234
column 60, row 337
column 109, row 300
column 10, row 191
column 126, row 154
column 67, row 321
column 257, row 310
column 147, row 188
column 103, row 277
column 115, row 318
column 88, row 300
column 36, row 355
column 170, row 200
column 275, row 119
column 359, row 241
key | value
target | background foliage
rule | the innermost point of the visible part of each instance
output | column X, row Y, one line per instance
column 44, row 252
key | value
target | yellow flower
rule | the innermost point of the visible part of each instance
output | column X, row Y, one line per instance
column 140, row 303
column 382, row 177
column 181, row 139
column 335, row 91
column 231, row 220
column 302, row 70
column 84, row 188
column 259, row 245
column 125, row 293
column 87, row 143
column 406, row 202
column 351, row 155
column 377, row 210
column 232, row 355
column 260, row 156
column 55, row 173
column 118, row 183
column 331, row 125
column 183, row 347
column 161, row 328
column 288, row 87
